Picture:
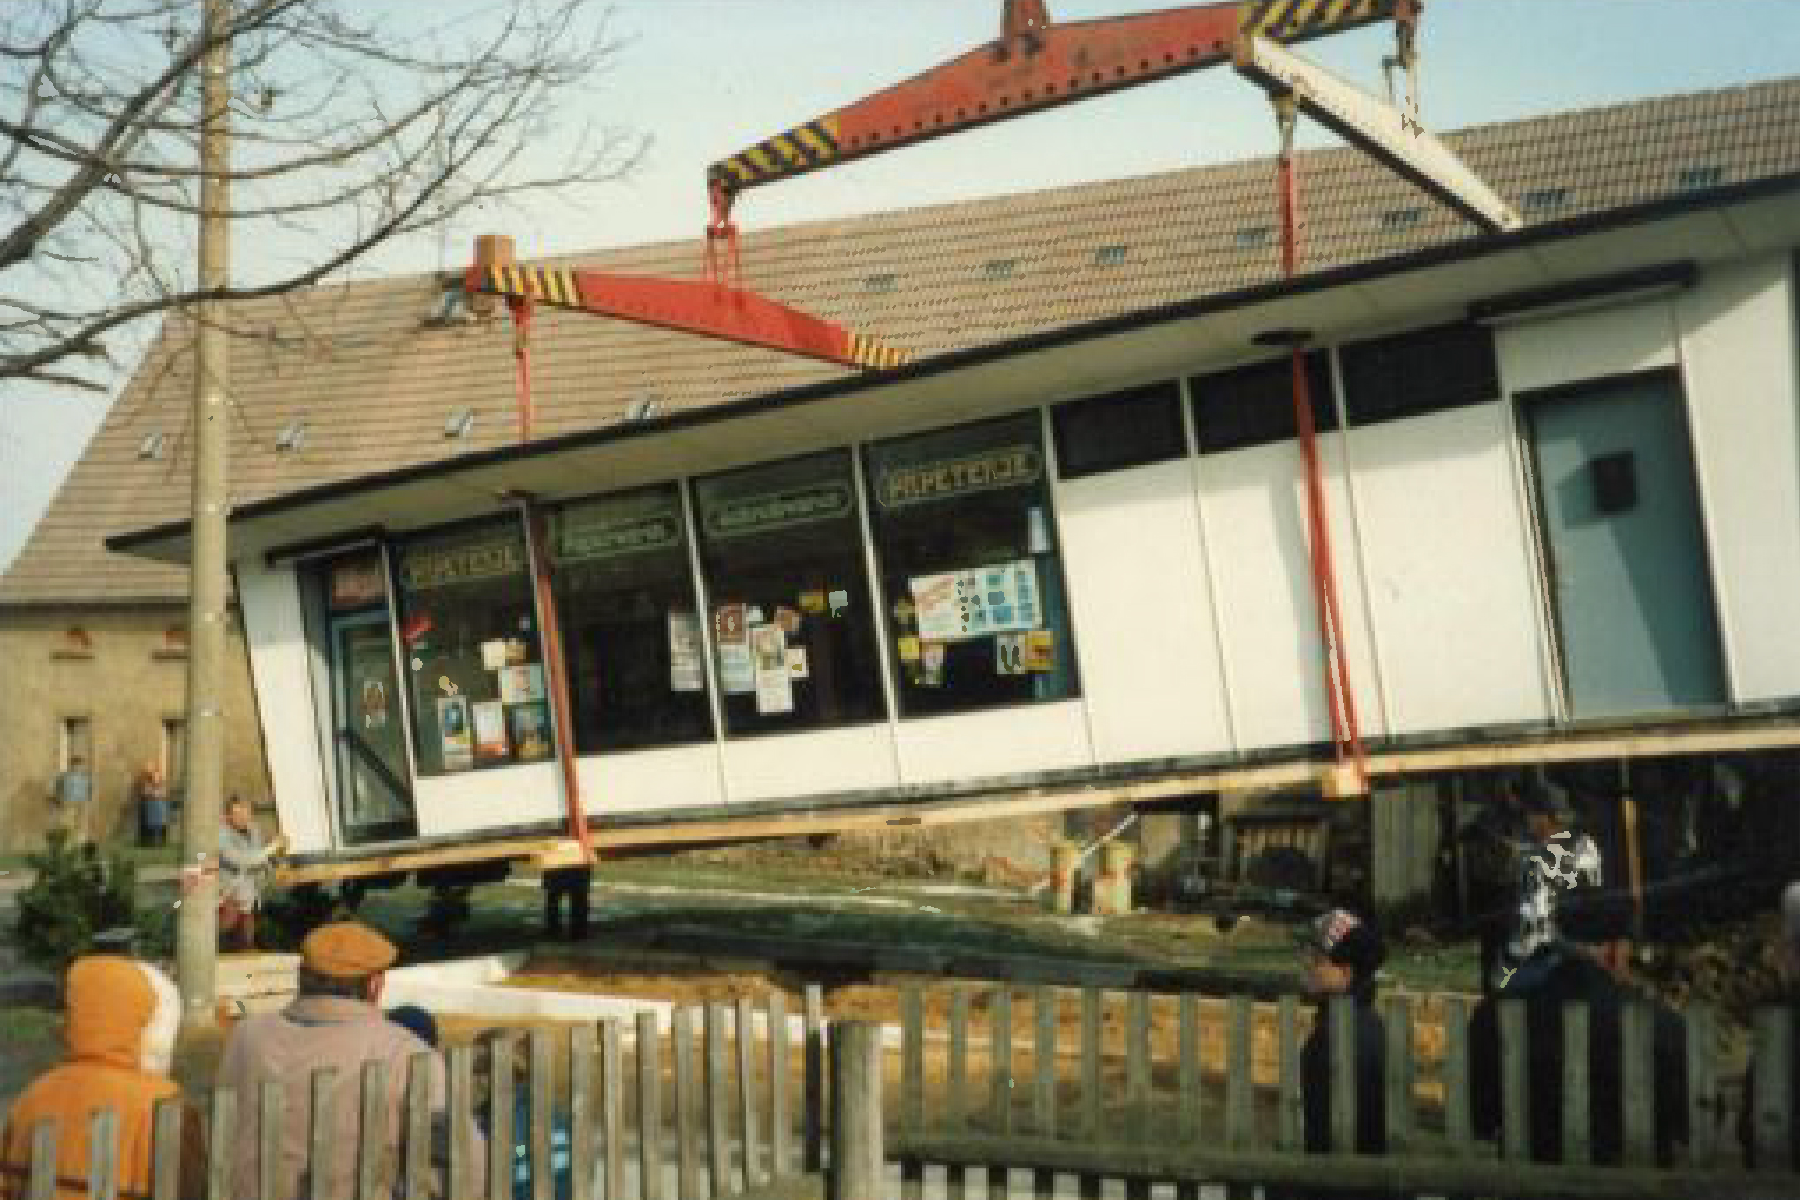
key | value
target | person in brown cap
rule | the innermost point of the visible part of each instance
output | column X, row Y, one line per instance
column 334, row 1023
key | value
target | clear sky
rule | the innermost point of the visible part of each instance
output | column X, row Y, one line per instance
column 707, row 77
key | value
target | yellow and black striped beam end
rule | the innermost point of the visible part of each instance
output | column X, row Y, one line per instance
column 799, row 149
column 1288, row 20
column 552, row 285
column 875, row 354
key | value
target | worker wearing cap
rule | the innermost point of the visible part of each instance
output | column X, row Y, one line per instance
column 1787, row 962
column 335, row 1023
column 1343, row 953
column 1553, row 861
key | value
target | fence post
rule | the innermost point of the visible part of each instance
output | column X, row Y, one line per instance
column 165, row 1153
column 103, row 1155
column 856, row 1148
column 42, row 1183
column 812, row 1101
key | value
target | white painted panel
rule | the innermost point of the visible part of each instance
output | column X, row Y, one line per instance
column 472, row 801
column 1144, row 630
column 1253, row 505
column 1738, row 355
column 1609, row 341
column 633, row 781
column 274, row 632
column 785, row 765
column 1450, row 570
column 1002, row 741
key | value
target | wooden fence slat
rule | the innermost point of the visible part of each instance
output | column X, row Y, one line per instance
column 743, row 1027
column 912, row 1061
column 582, row 1151
column 1091, row 1001
column 1703, row 1083
column 1290, row 1120
column 1397, row 1074
column 687, row 1104
column 1137, row 1060
column 1459, row 1127
column 165, row 1148
column 1515, row 1099
column 1341, row 1013
column 1638, row 1083
column 319, row 1133
column 718, row 1103
column 856, row 1144
column 650, row 1108
column 271, row 1111
column 1043, row 1062
column 1577, row 1100
column 1000, row 1068
column 221, row 1130
column 956, row 1087
column 459, row 1102
column 813, row 1102
column 1240, row 1116
column 1772, row 1052
column 781, row 1119
column 416, row 1169
column 372, row 1133
column 502, row 1137
column 103, row 1155
column 541, row 1096
column 42, row 1184
column 612, row 1108
column 1190, row 1125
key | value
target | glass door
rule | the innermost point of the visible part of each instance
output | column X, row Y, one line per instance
column 373, row 781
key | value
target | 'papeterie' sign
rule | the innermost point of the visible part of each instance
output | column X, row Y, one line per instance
column 1002, row 467
column 767, row 511
column 461, row 564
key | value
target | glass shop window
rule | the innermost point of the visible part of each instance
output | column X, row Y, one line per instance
column 1422, row 371
column 787, row 582
column 470, row 637
column 1121, row 429
column 630, row 626
column 970, row 576
column 1254, row 405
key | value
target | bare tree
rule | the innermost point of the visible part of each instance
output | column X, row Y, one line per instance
column 348, row 133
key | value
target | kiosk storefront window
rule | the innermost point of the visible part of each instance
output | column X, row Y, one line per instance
column 786, row 578
column 624, row 590
column 970, row 576
column 470, row 640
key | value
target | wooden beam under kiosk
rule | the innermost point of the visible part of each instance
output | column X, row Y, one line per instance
column 1611, row 745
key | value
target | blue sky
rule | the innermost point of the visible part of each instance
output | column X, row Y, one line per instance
column 707, row 77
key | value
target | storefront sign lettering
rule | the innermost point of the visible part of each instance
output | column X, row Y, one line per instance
column 465, row 564
column 776, row 510
column 1003, row 467
column 609, row 539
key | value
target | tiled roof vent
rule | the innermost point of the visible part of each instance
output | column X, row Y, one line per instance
column 460, row 423
column 884, row 281
column 1708, row 175
column 643, row 408
column 1401, row 218
column 292, row 435
column 153, row 445
column 1546, row 199
column 1254, row 237
column 453, row 308
column 1000, row 268
column 1111, row 256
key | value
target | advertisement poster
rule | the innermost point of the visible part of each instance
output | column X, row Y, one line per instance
column 490, row 731
column 1002, row 598
column 521, row 685
column 909, row 648
column 686, row 671
column 731, row 632
column 374, row 704
column 931, row 664
column 453, row 731
column 530, row 730
column 1040, row 650
column 774, row 692
column 493, row 654
column 729, row 625
column 1009, row 654
column 774, row 686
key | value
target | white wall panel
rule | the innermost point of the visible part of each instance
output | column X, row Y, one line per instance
column 783, row 765
column 1450, row 570
column 1253, row 505
column 1738, row 355
column 1002, row 741
column 274, row 631
column 471, row 801
column 1610, row 341
column 1144, row 627
column 650, row 780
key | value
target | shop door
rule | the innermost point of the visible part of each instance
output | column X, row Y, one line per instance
column 1627, row 559
column 374, row 794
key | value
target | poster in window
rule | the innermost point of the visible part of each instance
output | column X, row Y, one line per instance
column 978, row 601
column 796, row 661
column 453, row 733
column 1040, row 650
column 354, row 585
column 686, row 671
column 530, row 730
column 1009, row 654
column 374, row 705
column 931, row 664
column 493, row 654
column 522, row 685
column 774, row 685
column 490, row 731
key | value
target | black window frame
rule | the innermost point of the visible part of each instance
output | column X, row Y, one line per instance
column 1420, row 371
column 1253, row 404
column 1137, row 409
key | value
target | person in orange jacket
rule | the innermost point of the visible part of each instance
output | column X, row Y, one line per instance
column 120, row 1024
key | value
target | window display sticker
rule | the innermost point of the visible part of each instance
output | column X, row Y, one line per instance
column 812, row 602
column 493, row 655
column 839, row 599
column 737, row 674
column 1009, row 653
column 1002, row 598
column 530, row 729
column 909, row 648
column 931, row 664
column 753, row 615
column 686, row 672
column 520, row 685
column 796, row 662
column 516, row 651
column 490, row 731
column 453, row 732
column 787, row 619
column 768, row 645
column 730, row 624
column 1040, row 650
column 374, row 704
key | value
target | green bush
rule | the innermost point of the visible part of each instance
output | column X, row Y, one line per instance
column 77, row 893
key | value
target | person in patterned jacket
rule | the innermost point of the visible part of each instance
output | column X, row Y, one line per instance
column 1553, row 860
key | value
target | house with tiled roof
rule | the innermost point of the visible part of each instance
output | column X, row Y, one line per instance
column 1061, row 557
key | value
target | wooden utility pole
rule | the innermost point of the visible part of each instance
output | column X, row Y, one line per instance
column 196, row 932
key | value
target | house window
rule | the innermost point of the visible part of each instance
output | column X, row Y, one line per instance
column 787, row 592
column 1254, row 405
column 75, row 742
column 969, row 568
column 630, row 624
column 173, row 754
column 1419, row 372
column 1121, row 429
column 471, row 647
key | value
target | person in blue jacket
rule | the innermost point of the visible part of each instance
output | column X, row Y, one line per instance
column 561, row 1152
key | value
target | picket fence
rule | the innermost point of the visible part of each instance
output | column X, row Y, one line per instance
column 1098, row 1094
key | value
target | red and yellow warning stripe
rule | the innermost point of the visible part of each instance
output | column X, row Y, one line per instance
column 1282, row 20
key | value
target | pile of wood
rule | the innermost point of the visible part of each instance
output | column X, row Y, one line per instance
column 1732, row 966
